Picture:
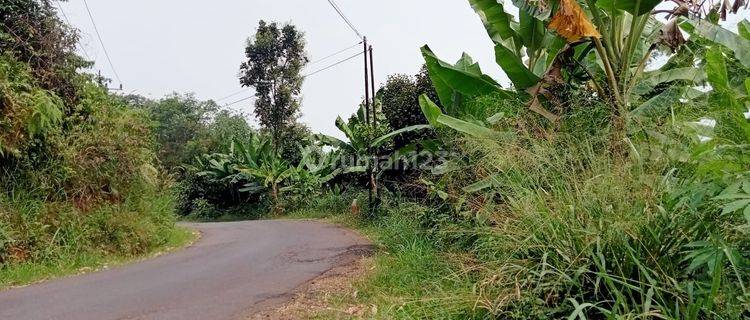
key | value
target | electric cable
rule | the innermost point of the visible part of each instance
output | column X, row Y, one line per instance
column 99, row 36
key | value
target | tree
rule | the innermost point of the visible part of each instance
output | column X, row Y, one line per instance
column 225, row 128
column 31, row 31
column 296, row 136
column 275, row 57
column 180, row 123
column 400, row 102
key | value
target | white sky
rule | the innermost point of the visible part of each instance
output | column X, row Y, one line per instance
column 164, row 46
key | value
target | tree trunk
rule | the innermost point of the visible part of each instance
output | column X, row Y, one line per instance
column 275, row 198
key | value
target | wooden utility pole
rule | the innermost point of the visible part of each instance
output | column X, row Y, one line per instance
column 376, row 165
column 372, row 83
column 367, row 122
column 367, row 86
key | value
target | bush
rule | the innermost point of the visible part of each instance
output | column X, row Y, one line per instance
column 35, row 231
column 566, row 224
column 30, row 115
column 31, row 31
column 400, row 103
column 78, row 170
column 108, row 151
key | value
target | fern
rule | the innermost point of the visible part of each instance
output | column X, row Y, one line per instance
column 46, row 115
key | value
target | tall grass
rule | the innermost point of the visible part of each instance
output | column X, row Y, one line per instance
column 570, row 230
column 413, row 277
column 40, row 238
column 38, row 230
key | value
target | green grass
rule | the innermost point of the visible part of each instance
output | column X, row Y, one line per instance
column 71, row 264
column 412, row 277
column 573, row 232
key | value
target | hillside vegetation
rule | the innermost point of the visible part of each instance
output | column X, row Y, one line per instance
column 610, row 180
column 78, row 168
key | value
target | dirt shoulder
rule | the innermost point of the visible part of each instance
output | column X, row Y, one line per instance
column 328, row 296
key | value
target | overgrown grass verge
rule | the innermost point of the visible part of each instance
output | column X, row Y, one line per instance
column 42, row 239
column 85, row 262
column 411, row 276
column 566, row 231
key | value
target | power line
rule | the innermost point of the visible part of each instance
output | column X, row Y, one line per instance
column 238, row 101
column 99, row 36
column 335, row 53
column 346, row 20
column 332, row 65
column 306, row 75
column 59, row 7
column 231, row 95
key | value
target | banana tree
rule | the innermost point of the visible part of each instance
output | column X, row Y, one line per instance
column 272, row 172
column 314, row 170
column 363, row 147
column 606, row 44
column 254, row 164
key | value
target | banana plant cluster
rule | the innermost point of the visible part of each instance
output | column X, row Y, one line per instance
column 259, row 168
column 604, row 45
column 359, row 145
column 363, row 148
column 600, row 45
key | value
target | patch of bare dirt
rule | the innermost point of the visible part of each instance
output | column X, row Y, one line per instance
column 330, row 296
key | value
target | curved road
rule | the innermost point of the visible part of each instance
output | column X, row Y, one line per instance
column 235, row 269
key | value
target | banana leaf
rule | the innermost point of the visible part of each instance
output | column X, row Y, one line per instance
column 430, row 109
column 718, row 77
column 709, row 31
column 743, row 27
column 654, row 78
column 468, row 128
column 532, row 32
column 449, row 79
column 380, row 140
column 642, row 6
column 466, row 63
column 514, row 68
column 497, row 22
column 660, row 103
column 334, row 142
column 716, row 70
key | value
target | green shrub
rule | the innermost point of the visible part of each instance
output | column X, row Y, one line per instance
column 108, row 151
column 29, row 114
column 566, row 224
column 35, row 231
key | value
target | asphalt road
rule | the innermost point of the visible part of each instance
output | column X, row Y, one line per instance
column 236, row 268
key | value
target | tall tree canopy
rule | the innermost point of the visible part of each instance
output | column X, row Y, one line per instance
column 275, row 57
column 180, row 121
column 400, row 102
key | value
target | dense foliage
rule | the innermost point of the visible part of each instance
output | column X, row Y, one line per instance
column 180, row 126
column 275, row 58
column 399, row 97
column 570, row 220
column 597, row 186
column 78, row 167
column 32, row 32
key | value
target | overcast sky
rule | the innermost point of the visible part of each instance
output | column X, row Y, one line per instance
column 164, row 46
